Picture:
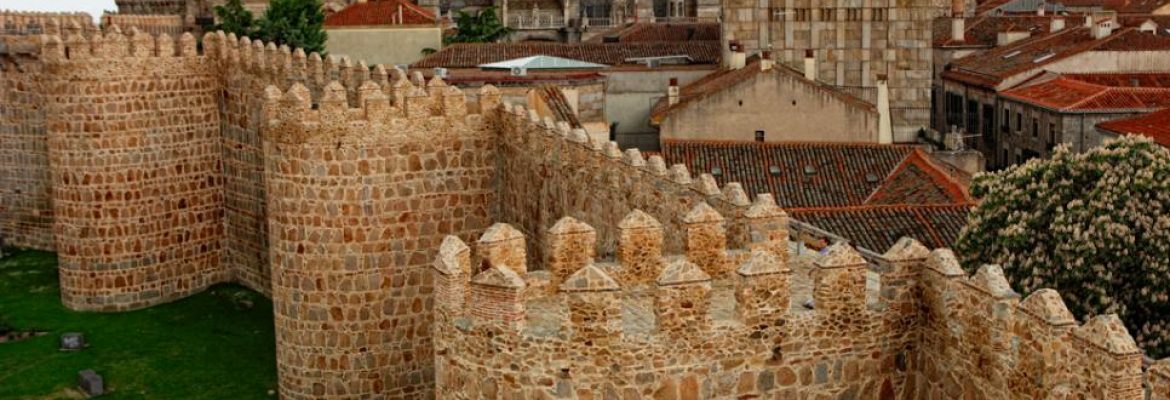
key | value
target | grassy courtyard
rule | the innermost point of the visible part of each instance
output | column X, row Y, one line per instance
column 209, row 346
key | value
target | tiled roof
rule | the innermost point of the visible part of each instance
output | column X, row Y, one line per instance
column 380, row 12
column 1155, row 125
column 989, row 68
column 1070, row 93
column 988, row 5
column 877, row 228
column 726, row 78
column 1121, row 6
column 982, row 31
column 469, row 55
column 661, row 32
column 816, row 175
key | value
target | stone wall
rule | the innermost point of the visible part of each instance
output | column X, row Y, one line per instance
column 581, row 328
column 134, row 165
column 152, row 24
column 548, row 171
column 359, row 199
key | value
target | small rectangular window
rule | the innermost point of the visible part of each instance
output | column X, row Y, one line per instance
column 1052, row 134
column 1019, row 121
column 1035, row 127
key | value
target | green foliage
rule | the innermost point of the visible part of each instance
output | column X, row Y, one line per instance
column 482, row 27
column 1093, row 226
column 297, row 23
column 207, row 346
column 234, row 18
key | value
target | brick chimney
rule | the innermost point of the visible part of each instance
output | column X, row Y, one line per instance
column 810, row 65
column 958, row 8
column 672, row 92
column 1102, row 30
column 958, row 29
column 1040, row 10
column 766, row 62
column 885, row 125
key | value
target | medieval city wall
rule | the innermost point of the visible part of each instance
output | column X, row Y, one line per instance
column 548, row 171
column 358, row 201
column 26, row 215
column 152, row 24
column 133, row 145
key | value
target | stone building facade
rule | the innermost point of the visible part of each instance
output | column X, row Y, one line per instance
column 851, row 43
column 333, row 187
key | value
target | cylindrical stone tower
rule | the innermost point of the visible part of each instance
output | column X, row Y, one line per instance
column 133, row 137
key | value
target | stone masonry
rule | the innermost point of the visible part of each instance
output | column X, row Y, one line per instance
column 157, row 166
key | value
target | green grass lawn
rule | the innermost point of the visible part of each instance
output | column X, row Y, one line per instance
column 208, row 346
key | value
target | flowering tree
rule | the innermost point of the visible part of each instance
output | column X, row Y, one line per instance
column 1094, row 226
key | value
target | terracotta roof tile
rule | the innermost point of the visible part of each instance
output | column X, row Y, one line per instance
column 814, row 175
column 470, row 55
column 989, row 68
column 1094, row 92
column 1155, row 125
column 380, row 12
column 877, row 228
column 1121, row 6
column 983, row 31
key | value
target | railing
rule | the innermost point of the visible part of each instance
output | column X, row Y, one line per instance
column 535, row 20
column 683, row 20
column 599, row 22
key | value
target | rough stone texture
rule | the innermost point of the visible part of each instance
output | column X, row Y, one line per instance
column 349, row 195
column 134, row 164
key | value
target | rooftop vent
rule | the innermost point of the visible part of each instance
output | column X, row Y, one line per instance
column 809, row 170
column 774, row 170
column 871, row 178
column 716, row 171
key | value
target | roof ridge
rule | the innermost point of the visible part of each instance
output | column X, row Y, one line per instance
column 801, row 143
column 868, row 207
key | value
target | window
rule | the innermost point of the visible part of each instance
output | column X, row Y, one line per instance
column 1006, row 124
column 828, row 14
column 1052, row 133
column 879, row 14
column 1035, row 127
column 853, row 14
column 972, row 122
column 800, row 14
column 1019, row 121
column 759, row 136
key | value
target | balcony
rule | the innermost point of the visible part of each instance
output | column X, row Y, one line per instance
column 535, row 20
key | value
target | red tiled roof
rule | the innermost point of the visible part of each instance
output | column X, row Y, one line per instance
column 470, row 55
column 877, row 228
column 1121, row 6
column 727, row 78
column 1069, row 93
column 1155, row 125
column 988, row 5
column 380, row 12
column 815, row 175
column 989, row 68
column 661, row 32
column 983, row 31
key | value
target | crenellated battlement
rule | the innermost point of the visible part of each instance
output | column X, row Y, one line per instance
column 45, row 23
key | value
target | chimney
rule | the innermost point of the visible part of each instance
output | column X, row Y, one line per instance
column 810, row 65
column 1009, row 37
column 958, row 29
column 766, row 60
column 885, row 126
column 1056, row 25
column 1040, row 10
column 1088, row 20
column 738, row 57
column 1102, row 30
column 958, row 8
column 672, row 92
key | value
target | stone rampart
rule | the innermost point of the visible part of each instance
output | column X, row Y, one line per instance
column 692, row 326
column 152, row 24
column 47, row 23
column 134, row 166
column 358, row 201
column 549, row 170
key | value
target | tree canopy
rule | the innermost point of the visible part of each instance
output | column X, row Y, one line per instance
column 297, row 23
column 1094, row 226
column 481, row 27
column 234, row 18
